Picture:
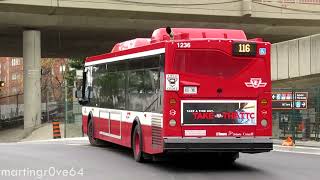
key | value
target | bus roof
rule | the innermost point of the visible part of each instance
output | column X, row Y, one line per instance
column 160, row 35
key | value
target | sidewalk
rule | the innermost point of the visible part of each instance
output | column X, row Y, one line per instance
column 45, row 132
column 300, row 143
column 11, row 135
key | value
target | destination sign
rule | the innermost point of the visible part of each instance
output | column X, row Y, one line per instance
column 244, row 49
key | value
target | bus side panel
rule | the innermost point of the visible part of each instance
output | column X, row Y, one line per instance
column 260, row 130
column 147, row 140
column 149, row 147
column 84, row 124
column 125, row 132
column 85, row 115
column 125, row 140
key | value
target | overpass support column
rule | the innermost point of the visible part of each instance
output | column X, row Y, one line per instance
column 31, row 79
column 246, row 7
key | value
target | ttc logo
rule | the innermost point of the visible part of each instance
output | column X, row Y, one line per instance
column 255, row 83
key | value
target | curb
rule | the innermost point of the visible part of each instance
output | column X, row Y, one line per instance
column 314, row 144
column 56, row 140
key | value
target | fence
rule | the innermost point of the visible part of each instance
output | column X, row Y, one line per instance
column 11, row 111
column 296, row 113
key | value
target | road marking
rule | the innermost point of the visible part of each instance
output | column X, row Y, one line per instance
column 76, row 144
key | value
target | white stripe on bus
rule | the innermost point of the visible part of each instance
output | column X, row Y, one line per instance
column 128, row 56
column 121, row 115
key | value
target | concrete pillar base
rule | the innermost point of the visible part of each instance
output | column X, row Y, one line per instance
column 31, row 79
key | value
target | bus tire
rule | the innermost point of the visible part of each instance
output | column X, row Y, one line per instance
column 93, row 141
column 137, row 144
column 230, row 158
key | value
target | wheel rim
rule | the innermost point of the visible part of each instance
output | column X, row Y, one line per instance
column 137, row 144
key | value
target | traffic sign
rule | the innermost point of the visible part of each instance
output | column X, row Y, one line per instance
column 285, row 100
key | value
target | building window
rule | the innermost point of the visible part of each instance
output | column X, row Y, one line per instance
column 62, row 68
column 14, row 90
column 15, row 61
column 14, row 76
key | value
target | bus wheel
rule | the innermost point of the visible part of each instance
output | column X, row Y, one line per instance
column 230, row 158
column 137, row 144
column 93, row 141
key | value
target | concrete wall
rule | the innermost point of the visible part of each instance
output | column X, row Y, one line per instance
column 295, row 58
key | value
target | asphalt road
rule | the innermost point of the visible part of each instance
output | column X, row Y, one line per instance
column 115, row 163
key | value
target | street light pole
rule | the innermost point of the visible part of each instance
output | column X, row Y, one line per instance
column 65, row 85
column 65, row 105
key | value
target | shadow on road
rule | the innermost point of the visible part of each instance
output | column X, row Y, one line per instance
column 196, row 163
column 186, row 162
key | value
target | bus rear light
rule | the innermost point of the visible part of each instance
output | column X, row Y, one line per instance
column 264, row 102
column 264, row 122
column 172, row 122
column 190, row 90
column 172, row 112
column 172, row 102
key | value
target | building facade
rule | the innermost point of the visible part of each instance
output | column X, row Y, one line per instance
column 11, row 72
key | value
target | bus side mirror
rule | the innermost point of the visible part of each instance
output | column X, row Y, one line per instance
column 82, row 93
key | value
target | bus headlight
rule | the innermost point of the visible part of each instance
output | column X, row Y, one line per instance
column 172, row 122
column 264, row 122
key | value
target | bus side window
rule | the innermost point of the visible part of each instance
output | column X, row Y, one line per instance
column 94, row 85
column 152, row 89
column 136, row 90
column 152, row 81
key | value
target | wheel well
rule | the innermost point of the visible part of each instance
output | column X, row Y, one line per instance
column 89, row 119
column 135, row 123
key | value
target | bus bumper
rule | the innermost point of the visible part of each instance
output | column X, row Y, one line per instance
column 245, row 145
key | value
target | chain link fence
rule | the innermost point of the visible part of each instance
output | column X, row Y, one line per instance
column 302, row 119
column 11, row 111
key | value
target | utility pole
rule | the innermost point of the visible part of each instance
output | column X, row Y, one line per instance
column 66, row 107
column 47, row 96
column 65, row 84
column 2, row 84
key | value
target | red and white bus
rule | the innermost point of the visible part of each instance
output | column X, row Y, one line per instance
column 182, row 90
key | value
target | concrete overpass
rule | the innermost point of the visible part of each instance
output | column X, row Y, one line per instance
column 83, row 27
column 64, row 28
